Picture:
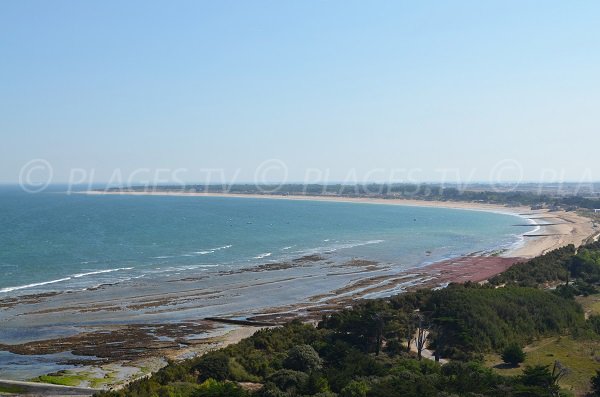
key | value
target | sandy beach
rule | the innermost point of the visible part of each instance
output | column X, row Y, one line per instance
column 556, row 228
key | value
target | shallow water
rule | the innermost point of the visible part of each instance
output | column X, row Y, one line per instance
column 53, row 241
column 22, row 367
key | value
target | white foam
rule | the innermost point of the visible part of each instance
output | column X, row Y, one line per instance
column 265, row 255
column 9, row 289
column 211, row 250
column 100, row 272
column 59, row 280
column 337, row 247
column 519, row 239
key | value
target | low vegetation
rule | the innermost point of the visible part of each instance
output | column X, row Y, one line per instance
column 11, row 390
column 579, row 355
column 366, row 350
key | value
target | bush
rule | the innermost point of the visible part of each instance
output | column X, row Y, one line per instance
column 316, row 383
column 303, row 358
column 287, row 379
column 270, row 390
column 513, row 355
column 213, row 365
column 212, row 388
column 539, row 376
column 355, row 389
column 594, row 323
column 238, row 373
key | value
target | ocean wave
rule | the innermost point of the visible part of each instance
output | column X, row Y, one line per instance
column 212, row 250
column 357, row 244
column 171, row 269
column 59, row 280
column 337, row 247
column 191, row 267
column 78, row 275
column 206, row 251
column 9, row 289
column 265, row 255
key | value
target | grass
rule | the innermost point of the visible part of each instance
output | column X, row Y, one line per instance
column 72, row 378
column 64, row 378
column 581, row 357
column 11, row 389
column 591, row 304
column 108, row 378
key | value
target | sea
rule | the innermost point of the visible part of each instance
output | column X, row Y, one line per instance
column 56, row 241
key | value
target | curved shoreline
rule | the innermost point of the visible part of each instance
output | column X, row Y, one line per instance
column 567, row 227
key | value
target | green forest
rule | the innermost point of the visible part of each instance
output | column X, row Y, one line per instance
column 364, row 351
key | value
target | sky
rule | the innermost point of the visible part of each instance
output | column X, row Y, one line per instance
column 314, row 91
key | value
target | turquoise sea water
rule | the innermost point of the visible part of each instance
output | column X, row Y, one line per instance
column 54, row 241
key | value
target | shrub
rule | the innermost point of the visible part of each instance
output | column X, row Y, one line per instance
column 355, row 389
column 213, row 388
column 287, row 379
column 238, row 373
column 303, row 358
column 594, row 322
column 316, row 383
column 213, row 365
column 513, row 355
column 270, row 390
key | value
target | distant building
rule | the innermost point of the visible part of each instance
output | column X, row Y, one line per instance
column 597, row 210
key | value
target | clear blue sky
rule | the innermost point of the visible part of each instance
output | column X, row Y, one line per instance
column 336, row 85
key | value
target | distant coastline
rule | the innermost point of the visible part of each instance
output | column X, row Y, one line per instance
column 566, row 227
